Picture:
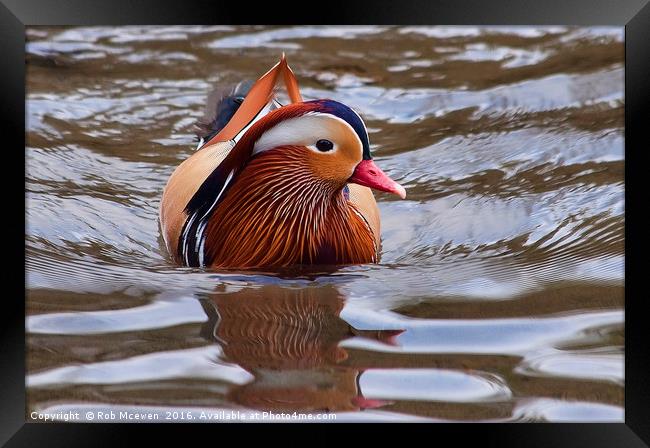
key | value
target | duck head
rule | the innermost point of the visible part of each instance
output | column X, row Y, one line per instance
column 330, row 136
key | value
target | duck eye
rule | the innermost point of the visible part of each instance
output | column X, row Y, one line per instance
column 324, row 145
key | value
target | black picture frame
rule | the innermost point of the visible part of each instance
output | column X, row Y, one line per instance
column 16, row 14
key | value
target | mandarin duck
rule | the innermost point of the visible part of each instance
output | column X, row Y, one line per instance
column 276, row 185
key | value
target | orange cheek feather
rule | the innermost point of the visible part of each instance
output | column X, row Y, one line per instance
column 339, row 165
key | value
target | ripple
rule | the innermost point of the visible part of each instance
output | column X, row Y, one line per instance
column 595, row 364
column 557, row 91
column 494, row 336
column 432, row 385
column 277, row 38
column 445, row 32
column 193, row 363
column 159, row 314
column 562, row 411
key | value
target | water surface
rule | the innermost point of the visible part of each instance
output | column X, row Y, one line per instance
column 499, row 296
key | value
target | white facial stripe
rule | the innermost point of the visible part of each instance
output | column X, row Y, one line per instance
column 305, row 130
column 340, row 120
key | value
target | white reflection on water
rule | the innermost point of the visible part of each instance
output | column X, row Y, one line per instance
column 432, row 385
column 496, row 336
column 191, row 363
column 158, row 314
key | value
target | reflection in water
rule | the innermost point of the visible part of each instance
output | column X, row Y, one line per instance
column 288, row 338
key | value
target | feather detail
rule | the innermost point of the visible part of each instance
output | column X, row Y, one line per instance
column 222, row 105
column 258, row 96
column 182, row 186
column 277, row 214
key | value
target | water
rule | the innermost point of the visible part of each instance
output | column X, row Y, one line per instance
column 499, row 295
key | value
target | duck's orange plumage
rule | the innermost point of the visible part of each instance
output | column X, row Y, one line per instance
column 277, row 187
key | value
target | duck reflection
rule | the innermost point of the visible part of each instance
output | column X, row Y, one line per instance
column 289, row 340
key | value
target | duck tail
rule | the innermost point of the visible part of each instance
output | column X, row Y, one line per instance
column 222, row 105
